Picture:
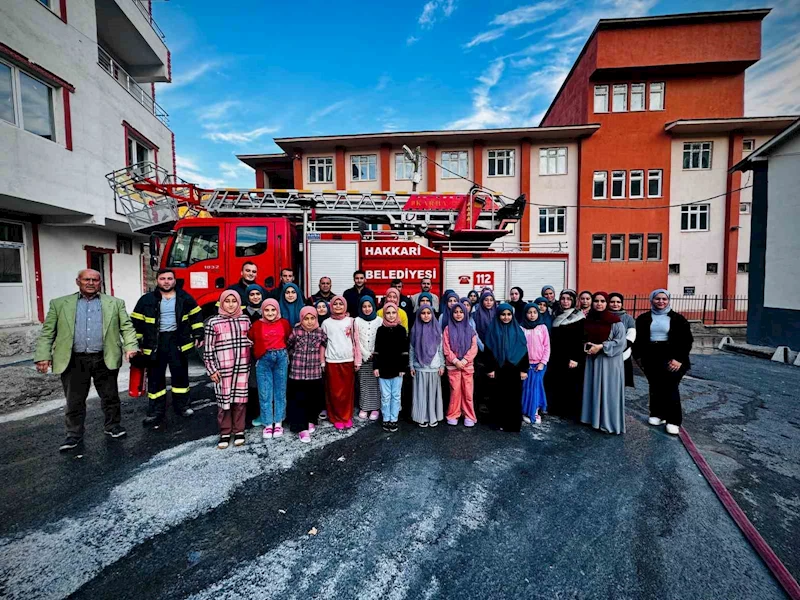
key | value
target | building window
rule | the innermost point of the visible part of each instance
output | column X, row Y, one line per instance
column 124, row 245
column 637, row 96
column 140, row 153
column 364, row 167
column 689, row 291
column 403, row 167
column 635, row 246
column 695, row 217
column 454, row 164
column 657, row 96
column 552, row 161
column 26, row 102
column 601, row 98
column 696, row 155
column 712, row 268
column 45, row 2
column 674, row 269
column 599, row 246
column 637, row 184
column 620, row 101
column 742, row 267
column 320, row 170
column 617, row 184
column 744, row 208
column 654, row 183
column 552, row 220
column 617, row 250
column 501, row 163
column 599, row 187
column 748, row 145
column 653, row 246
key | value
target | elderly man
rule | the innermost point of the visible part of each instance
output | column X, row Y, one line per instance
column 80, row 340
column 425, row 285
column 324, row 292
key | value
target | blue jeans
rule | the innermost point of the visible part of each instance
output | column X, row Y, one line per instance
column 390, row 398
column 271, row 373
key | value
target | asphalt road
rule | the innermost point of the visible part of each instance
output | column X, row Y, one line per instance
column 558, row 511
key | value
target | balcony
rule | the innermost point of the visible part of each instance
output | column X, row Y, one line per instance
column 113, row 68
column 144, row 8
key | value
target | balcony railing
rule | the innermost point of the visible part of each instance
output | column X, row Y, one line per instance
column 144, row 8
column 112, row 67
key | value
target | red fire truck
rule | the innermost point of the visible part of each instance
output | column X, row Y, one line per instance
column 457, row 240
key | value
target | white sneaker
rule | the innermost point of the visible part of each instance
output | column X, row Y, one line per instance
column 526, row 419
column 656, row 421
column 673, row 429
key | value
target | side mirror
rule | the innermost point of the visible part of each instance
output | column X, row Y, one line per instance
column 153, row 262
column 269, row 282
column 155, row 251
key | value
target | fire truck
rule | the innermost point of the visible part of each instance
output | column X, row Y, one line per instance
column 458, row 240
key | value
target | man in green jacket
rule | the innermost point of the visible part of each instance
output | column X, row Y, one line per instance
column 80, row 340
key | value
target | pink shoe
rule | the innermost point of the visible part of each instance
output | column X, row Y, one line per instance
column 267, row 433
column 311, row 428
column 339, row 426
column 362, row 414
column 373, row 416
column 348, row 424
column 305, row 437
column 469, row 423
column 278, row 431
column 538, row 420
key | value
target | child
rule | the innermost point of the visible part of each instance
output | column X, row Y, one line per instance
column 291, row 302
column 367, row 324
column 390, row 360
column 254, row 297
column 323, row 311
column 538, row 340
column 449, row 300
column 269, row 335
column 507, row 367
column 393, row 296
column 545, row 315
column 227, row 360
column 343, row 359
column 427, row 367
column 306, row 347
column 460, row 345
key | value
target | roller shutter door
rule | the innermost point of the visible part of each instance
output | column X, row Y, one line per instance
column 532, row 275
column 334, row 259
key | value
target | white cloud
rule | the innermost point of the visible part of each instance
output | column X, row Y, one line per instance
column 432, row 8
column 323, row 112
column 486, row 36
column 411, row 40
column 239, row 137
column 218, row 110
column 192, row 75
column 772, row 86
column 578, row 21
column 228, row 174
column 189, row 170
column 383, row 81
column 484, row 112
column 236, row 171
column 526, row 14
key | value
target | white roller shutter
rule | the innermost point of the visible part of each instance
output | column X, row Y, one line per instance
column 455, row 268
column 532, row 275
column 334, row 259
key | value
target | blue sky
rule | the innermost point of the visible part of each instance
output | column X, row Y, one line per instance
column 245, row 71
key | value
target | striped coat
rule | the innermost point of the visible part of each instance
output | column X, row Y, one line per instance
column 227, row 351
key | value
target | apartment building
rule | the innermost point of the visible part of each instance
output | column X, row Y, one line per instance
column 77, row 101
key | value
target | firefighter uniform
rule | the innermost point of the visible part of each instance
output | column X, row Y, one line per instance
column 164, row 349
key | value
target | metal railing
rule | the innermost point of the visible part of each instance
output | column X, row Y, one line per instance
column 144, row 8
column 709, row 310
column 113, row 68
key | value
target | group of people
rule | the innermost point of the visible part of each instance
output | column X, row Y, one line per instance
column 276, row 358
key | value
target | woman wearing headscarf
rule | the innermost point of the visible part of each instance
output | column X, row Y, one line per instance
column 343, row 359
column 585, row 302
column 305, row 390
column 426, row 358
column 516, row 300
column 468, row 311
column 534, row 399
column 485, row 314
column 473, row 298
column 549, row 294
column 563, row 381
column 507, row 366
column 616, row 305
column 369, row 393
column 291, row 302
column 544, row 312
column 393, row 295
column 663, row 342
column 604, row 375
column 254, row 297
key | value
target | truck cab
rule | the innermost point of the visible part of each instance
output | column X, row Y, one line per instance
column 207, row 254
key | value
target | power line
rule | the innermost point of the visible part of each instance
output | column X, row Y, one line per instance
column 529, row 203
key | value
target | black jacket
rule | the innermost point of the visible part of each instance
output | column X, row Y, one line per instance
column 146, row 316
column 352, row 296
column 680, row 337
column 390, row 357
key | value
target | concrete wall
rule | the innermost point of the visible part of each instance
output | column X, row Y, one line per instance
column 746, row 195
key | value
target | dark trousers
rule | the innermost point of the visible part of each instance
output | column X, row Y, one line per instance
column 232, row 420
column 77, row 378
column 305, row 400
column 169, row 355
column 665, row 399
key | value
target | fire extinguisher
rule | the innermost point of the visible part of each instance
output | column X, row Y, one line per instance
column 137, row 385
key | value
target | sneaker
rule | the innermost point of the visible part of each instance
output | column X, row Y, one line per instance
column 323, row 415
column 187, row 412
column 304, row 437
column 267, row 433
column 373, row 416
column 434, row 423
column 393, row 427
column 538, row 420
column 655, row 421
column 348, row 424
column 387, row 426
column 452, row 421
column 526, row 419
column 116, row 431
column 362, row 414
column 278, row 431
column 311, row 428
column 224, row 442
column 257, row 423
column 469, row 423
column 673, row 429
column 238, row 439
column 422, row 424
column 69, row 444
column 339, row 426
column 150, row 420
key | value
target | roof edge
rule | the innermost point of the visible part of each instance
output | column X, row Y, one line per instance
column 763, row 152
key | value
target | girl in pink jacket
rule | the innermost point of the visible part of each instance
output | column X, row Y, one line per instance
column 538, row 340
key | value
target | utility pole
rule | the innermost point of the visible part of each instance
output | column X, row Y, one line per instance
column 415, row 157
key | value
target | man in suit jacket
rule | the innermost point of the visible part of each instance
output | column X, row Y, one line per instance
column 80, row 340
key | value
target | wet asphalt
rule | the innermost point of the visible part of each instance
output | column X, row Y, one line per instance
column 558, row 511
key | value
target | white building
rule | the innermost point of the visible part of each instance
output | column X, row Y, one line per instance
column 76, row 102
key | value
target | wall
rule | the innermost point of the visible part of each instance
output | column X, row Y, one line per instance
column 571, row 106
column 318, row 187
column 746, row 195
column 506, row 185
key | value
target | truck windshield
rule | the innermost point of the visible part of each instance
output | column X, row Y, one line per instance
column 193, row 244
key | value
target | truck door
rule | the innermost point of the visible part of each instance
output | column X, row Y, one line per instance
column 194, row 254
column 251, row 241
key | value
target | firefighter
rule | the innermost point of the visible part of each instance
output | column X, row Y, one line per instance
column 248, row 277
column 425, row 284
column 168, row 325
